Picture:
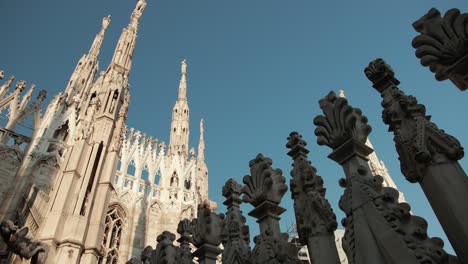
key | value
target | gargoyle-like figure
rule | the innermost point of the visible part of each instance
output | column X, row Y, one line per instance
column 378, row 228
column 20, row 242
column 419, row 142
column 443, row 45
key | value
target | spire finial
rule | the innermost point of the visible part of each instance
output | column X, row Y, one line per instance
column 96, row 46
column 183, row 80
column 342, row 95
column 201, row 143
column 183, row 67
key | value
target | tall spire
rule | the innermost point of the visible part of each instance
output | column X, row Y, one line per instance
column 201, row 143
column 122, row 59
column 95, row 48
column 180, row 118
column 183, row 81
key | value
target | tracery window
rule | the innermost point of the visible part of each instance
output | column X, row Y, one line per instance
column 112, row 236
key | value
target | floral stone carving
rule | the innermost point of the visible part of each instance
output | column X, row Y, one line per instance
column 443, row 45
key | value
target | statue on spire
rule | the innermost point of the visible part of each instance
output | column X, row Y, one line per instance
column 105, row 22
column 184, row 66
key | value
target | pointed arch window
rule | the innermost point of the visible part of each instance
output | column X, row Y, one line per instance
column 112, row 236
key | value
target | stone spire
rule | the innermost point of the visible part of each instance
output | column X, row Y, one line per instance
column 183, row 81
column 85, row 71
column 96, row 46
column 122, row 59
column 180, row 118
column 201, row 143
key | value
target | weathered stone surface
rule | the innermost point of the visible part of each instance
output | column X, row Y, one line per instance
column 315, row 219
column 21, row 243
column 264, row 189
column 378, row 228
column 443, row 45
column 235, row 236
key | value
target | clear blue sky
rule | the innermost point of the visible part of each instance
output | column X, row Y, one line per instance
column 256, row 70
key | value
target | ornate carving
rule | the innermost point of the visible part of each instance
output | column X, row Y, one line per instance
column 133, row 261
column 166, row 252
column 207, row 228
column 314, row 214
column 146, row 255
column 419, row 142
column 372, row 211
column 184, row 253
column 236, row 235
column 340, row 122
column 443, row 45
column 20, row 242
column 271, row 249
column 264, row 184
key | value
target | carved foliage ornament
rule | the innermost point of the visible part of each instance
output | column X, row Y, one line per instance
column 264, row 183
column 314, row 214
column 419, row 142
column 443, row 45
column 166, row 252
column 340, row 122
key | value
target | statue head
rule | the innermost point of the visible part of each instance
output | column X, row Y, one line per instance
column 106, row 21
column 2, row 74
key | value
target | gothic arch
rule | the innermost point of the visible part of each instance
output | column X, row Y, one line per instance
column 115, row 227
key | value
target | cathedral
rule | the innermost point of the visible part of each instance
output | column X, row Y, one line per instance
column 90, row 188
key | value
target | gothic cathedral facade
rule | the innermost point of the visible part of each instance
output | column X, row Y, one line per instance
column 85, row 185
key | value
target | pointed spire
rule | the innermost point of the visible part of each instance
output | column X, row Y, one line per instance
column 183, row 81
column 123, row 53
column 201, row 143
column 96, row 46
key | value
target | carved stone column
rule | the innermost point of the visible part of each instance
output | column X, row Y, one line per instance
column 443, row 45
column 264, row 189
column 378, row 228
column 428, row 155
column 315, row 219
column 206, row 235
column 236, row 236
column 184, row 252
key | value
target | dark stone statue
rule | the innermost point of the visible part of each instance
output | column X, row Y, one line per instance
column 21, row 243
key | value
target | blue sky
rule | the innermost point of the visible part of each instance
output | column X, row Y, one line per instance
column 256, row 70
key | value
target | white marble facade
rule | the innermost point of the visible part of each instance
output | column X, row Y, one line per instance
column 90, row 188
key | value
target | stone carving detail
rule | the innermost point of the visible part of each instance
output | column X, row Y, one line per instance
column 419, row 142
column 184, row 253
column 340, row 123
column 443, row 45
column 315, row 219
column 207, row 228
column 20, row 242
column 146, row 255
column 427, row 154
column 265, row 184
column 166, row 252
column 373, row 215
column 236, row 235
column 264, row 190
